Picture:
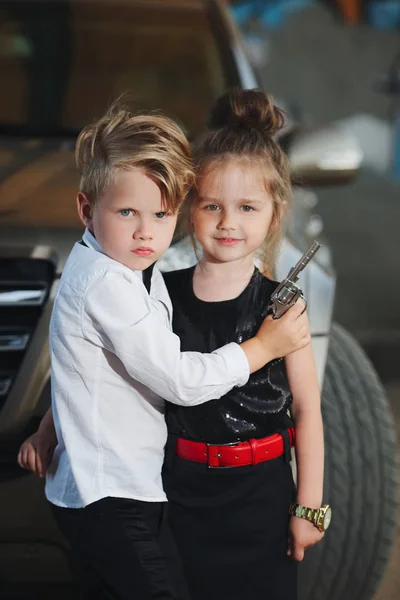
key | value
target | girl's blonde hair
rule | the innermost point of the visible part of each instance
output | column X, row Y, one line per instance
column 121, row 140
column 241, row 127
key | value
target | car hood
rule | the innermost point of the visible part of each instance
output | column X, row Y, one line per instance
column 38, row 185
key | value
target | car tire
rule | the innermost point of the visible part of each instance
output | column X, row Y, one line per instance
column 360, row 479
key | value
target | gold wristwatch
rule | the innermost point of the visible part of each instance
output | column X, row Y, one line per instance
column 320, row 517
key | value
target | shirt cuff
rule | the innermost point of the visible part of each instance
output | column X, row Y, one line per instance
column 236, row 362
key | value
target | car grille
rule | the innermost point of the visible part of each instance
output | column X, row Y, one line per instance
column 25, row 285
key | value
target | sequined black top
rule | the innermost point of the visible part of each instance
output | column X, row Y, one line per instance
column 255, row 410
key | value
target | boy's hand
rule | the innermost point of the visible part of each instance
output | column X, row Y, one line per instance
column 283, row 336
column 302, row 535
column 36, row 453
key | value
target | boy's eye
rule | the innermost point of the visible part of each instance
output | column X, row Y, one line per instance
column 247, row 208
column 161, row 214
column 212, row 207
column 126, row 212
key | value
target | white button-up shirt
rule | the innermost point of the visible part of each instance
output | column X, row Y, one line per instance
column 114, row 359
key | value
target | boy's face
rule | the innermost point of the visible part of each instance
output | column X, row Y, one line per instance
column 129, row 221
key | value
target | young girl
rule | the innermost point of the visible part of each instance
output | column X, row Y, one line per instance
column 231, row 524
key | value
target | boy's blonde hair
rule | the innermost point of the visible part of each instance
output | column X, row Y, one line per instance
column 121, row 140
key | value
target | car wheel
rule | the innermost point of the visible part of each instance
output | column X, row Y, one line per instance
column 360, row 479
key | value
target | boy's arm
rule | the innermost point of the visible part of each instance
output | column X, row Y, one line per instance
column 306, row 412
column 46, row 426
column 116, row 317
column 36, row 452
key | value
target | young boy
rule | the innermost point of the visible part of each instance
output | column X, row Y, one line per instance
column 114, row 358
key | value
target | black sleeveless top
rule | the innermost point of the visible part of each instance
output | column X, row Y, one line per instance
column 257, row 409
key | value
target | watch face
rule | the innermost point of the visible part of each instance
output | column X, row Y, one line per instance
column 327, row 518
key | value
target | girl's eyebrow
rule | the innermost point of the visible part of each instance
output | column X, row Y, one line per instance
column 207, row 199
column 250, row 200
column 239, row 200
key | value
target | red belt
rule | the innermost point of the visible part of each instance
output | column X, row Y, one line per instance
column 238, row 454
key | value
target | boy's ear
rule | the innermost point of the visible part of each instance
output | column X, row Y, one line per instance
column 84, row 210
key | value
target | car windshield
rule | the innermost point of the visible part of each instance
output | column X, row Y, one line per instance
column 61, row 63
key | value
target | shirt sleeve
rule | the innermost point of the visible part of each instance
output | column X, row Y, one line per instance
column 117, row 316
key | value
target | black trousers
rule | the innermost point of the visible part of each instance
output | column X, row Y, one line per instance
column 123, row 549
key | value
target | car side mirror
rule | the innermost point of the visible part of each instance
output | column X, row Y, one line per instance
column 323, row 157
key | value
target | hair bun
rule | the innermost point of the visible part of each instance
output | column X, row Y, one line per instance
column 247, row 109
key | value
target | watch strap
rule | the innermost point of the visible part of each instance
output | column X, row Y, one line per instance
column 304, row 512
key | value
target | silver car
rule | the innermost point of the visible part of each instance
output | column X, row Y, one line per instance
column 60, row 65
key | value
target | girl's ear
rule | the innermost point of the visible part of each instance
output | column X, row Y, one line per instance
column 85, row 210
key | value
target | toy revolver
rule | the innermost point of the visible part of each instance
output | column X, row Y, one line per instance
column 287, row 293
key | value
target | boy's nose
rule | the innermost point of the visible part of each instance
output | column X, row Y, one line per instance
column 143, row 232
column 145, row 235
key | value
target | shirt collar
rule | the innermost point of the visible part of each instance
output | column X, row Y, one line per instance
column 91, row 241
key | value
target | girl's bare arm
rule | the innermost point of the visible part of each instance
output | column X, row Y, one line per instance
column 306, row 413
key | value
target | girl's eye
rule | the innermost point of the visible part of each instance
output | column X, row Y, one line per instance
column 161, row 215
column 247, row 208
column 212, row 207
column 126, row 212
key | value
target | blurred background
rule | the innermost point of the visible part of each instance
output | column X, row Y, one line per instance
column 334, row 65
column 332, row 61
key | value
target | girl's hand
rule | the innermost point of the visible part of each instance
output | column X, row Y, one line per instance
column 36, row 453
column 302, row 535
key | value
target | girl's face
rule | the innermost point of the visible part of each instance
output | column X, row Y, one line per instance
column 233, row 212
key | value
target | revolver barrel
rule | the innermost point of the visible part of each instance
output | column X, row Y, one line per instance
column 304, row 260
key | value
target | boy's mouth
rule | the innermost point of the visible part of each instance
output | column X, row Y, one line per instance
column 143, row 251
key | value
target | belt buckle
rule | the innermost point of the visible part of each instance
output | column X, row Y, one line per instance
column 219, row 455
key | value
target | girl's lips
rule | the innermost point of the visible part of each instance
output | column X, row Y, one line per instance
column 227, row 241
column 143, row 251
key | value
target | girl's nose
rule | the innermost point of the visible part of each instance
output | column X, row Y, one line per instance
column 227, row 221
